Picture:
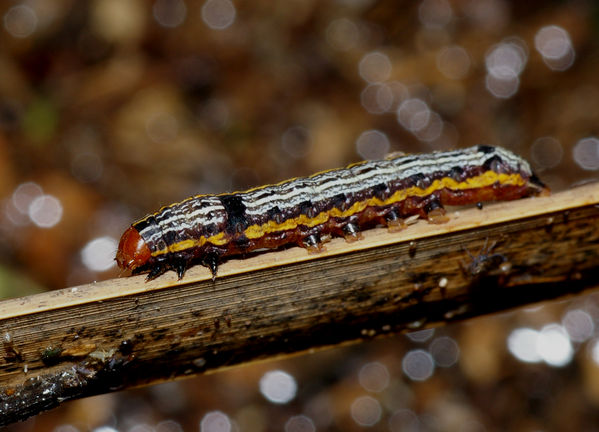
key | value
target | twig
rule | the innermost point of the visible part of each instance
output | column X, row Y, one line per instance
column 125, row 332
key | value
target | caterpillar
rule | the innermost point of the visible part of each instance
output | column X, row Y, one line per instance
column 306, row 210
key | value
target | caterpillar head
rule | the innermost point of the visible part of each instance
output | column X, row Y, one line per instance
column 133, row 251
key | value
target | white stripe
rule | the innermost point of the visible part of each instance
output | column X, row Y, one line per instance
column 318, row 187
column 369, row 174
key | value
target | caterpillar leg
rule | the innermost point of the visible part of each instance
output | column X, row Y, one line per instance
column 180, row 266
column 313, row 244
column 437, row 216
column 155, row 271
column 435, row 213
column 351, row 233
column 178, row 263
column 394, row 222
column 210, row 260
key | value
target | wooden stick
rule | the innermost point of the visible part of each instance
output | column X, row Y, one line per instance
column 126, row 332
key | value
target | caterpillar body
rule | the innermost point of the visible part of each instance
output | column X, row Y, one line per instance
column 339, row 202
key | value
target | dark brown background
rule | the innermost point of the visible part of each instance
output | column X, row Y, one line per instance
column 114, row 115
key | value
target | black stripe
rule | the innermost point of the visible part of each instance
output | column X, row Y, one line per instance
column 381, row 191
column 403, row 160
column 339, row 201
column 494, row 163
column 420, row 180
column 307, row 208
column 275, row 214
column 171, row 236
column 147, row 227
column 456, row 173
column 144, row 223
column 485, row 149
column 235, row 208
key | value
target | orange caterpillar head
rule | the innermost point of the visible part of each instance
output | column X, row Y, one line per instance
column 133, row 252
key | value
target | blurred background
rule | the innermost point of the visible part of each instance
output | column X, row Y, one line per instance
column 110, row 109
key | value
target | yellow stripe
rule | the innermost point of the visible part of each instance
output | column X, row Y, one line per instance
column 486, row 179
column 217, row 240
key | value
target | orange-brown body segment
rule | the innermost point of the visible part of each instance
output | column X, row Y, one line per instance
column 133, row 252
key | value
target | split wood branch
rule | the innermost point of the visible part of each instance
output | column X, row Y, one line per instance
column 111, row 335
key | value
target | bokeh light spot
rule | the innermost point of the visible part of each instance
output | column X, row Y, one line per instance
column 20, row 21
column 300, row 423
column 377, row 98
column 421, row 335
column 278, row 386
column 505, row 62
column 215, row 421
column 375, row 67
column 546, row 152
column 553, row 345
column 404, row 420
column 418, row 365
column 168, row 426
column 98, row 254
column 594, row 350
column 445, row 351
column 413, row 114
column 586, row 153
column 366, row 411
column 141, row 427
column 502, row 88
column 432, row 130
column 105, row 429
column 372, row 144
column 374, row 377
column 555, row 46
column 24, row 194
column 45, row 211
column 579, row 325
column 218, row 14
column 453, row 62
column 65, row 428
column 522, row 343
